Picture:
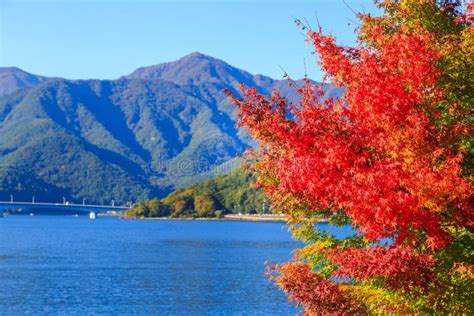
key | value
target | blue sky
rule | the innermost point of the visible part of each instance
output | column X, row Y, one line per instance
column 108, row 38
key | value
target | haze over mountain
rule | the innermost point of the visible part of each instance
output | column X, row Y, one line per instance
column 139, row 136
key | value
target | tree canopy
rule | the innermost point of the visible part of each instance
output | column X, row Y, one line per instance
column 392, row 157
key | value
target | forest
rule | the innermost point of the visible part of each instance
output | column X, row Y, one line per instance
column 225, row 194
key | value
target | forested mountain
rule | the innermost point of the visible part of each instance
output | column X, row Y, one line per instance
column 140, row 136
column 13, row 79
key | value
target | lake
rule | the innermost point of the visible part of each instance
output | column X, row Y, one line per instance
column 73, row 265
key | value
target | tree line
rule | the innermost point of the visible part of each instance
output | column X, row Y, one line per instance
column 226, row 194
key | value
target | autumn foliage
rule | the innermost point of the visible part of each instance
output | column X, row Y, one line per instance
column 392, row 157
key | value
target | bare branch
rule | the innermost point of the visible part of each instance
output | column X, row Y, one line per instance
column 305, row 70
column 308, row 26
column 287, row 77
column 349, row 7
column 317, row 20
column 352, row 21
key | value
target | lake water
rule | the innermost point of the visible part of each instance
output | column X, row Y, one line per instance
column 73, row 265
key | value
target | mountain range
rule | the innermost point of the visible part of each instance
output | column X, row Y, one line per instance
column 140, row 136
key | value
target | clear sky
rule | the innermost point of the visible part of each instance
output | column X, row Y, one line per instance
column 106, row 39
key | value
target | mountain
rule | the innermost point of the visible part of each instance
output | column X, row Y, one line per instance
column 140, row 136
column 13, row 79
column 199, row 69
column 194, row 69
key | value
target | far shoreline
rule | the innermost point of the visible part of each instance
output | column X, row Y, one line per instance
column 228, row 217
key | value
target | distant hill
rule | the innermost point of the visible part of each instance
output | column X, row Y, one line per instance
column 143, row 135
column 13, row 79
column 225, row 194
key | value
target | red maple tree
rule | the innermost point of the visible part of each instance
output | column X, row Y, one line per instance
column 390, row 157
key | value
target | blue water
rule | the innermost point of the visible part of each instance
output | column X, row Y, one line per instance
column 73, row 265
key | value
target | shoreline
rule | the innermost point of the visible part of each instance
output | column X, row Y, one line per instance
column 243, row 219
column 228, row 217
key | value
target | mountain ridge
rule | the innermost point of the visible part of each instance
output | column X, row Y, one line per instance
column 13, row 79
column 138, row 136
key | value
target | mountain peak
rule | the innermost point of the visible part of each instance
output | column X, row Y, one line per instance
column 197, row 58
column 10, row 69
column 198, row 55
column 195, row 68
column 14, row 78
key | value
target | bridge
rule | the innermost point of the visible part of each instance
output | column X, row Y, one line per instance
column 79, row 208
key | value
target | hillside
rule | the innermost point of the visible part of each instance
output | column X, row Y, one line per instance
column 143, row 135
column 13, row 79
column 225, row 194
